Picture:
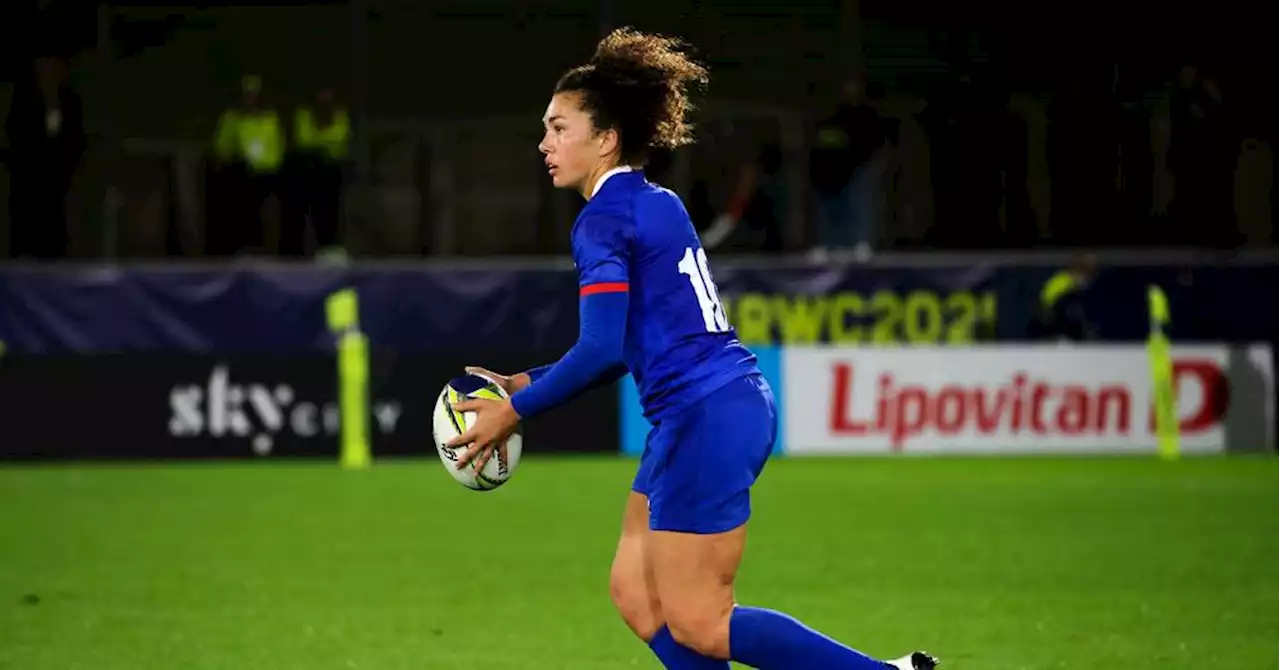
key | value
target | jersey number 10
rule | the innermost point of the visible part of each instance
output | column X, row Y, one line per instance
column 694, row 266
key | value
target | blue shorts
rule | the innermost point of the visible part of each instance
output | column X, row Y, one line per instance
column 699, row 464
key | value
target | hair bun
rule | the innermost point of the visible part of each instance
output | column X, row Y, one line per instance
column 642, row 59
column 638, row 84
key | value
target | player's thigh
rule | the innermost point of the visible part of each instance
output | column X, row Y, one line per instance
column 699, row 502
column 706, row 459
column 631, row 577
column 693, row 580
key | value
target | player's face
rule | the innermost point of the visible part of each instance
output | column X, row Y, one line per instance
column 570, row 144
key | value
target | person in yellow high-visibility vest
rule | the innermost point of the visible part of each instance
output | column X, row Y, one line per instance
column 248, row 148
column 1061, row 314
column 318, row 157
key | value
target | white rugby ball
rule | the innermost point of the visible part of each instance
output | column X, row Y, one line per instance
column 448, row 424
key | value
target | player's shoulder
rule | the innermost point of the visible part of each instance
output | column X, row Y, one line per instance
column 657, row 212
column 633, row 208
column 612, row 209
column 602, row 230
column 656, row 197
column 596, row 219
column 629, row 195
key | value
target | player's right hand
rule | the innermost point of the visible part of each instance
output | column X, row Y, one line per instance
column 509, row 383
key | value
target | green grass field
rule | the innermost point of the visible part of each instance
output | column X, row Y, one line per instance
column 993, row 564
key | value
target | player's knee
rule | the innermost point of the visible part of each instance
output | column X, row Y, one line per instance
column 702, row 627
column 632, row 599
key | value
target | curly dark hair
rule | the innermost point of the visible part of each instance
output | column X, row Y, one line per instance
column 638, row 84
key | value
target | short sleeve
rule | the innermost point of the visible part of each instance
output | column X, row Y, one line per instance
column 602, row 254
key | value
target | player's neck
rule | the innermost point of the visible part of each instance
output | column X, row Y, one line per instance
column 592, row 184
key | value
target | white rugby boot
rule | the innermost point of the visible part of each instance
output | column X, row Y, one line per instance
column 916, row 660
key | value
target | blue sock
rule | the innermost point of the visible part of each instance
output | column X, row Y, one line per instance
column 675, row 656
column 771, row 640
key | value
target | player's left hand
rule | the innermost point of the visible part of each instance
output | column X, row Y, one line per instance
column 495, row 421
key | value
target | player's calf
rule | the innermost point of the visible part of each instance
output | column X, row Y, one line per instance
column 693, row 575
column 632, row 597
column 630, row 582
column 701, row 626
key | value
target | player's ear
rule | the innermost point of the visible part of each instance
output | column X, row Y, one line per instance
column 606, row 142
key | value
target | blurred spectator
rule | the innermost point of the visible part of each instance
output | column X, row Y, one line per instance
column 45, row 127
column 758, row 201
column 321, row 145
column 1011, row 141
column 1084, row 159
column 846, row 167
column 1202, row 156
column 974, row 162
column 249, row 153
column 1137, row 163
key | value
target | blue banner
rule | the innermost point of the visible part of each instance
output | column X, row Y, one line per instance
column 507, row 308
column 868, row 304
column 280, row 309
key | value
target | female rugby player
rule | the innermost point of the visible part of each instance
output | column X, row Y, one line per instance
column 648, row 306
